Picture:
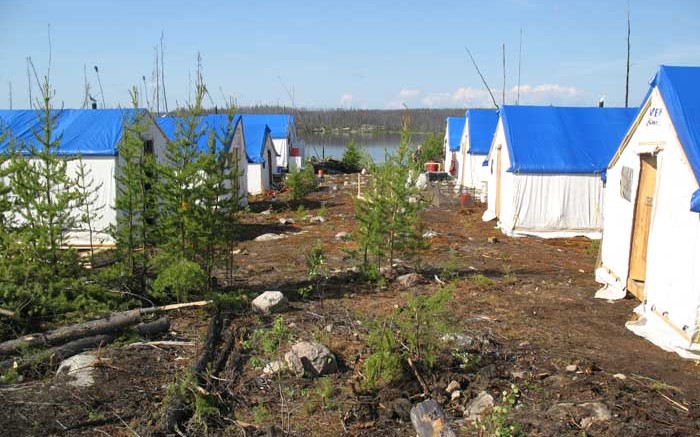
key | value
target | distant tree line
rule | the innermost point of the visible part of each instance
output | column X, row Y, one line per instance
column 319, row 120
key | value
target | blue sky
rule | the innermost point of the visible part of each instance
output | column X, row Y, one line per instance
column 361, row 54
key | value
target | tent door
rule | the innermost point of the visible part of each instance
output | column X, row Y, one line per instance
column 498, row 182
column 642, row 222
column 269, row 167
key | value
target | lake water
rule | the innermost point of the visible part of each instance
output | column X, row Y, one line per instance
column 333, row 145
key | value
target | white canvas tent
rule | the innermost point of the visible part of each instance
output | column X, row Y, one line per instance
column 93, row 135
column 454, row 127
column 289, row 150
column 651, row 234
column 259, row 151
column 544, row 168
column 474, row 145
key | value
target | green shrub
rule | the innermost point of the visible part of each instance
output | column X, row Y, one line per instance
column 431, row 149
column 352, row 157
column 411, row 334
column 481, row 279
column 269, row 340
column 302, row 182
column 495, row 423
column 178, row 279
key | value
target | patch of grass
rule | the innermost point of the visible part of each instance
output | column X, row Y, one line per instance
column 9, row 376
column 300, row 213
column 468, row 362
column 410, row 334
column 481, row 279
column 324, row 390
column 261, row 415
column 449, row 269
column 322, row 211
column 269, row 340
column 495, row 423
column 509, row 276
column 593, row 248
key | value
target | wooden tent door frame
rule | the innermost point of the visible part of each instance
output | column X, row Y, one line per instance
column 641, row 224
column 269, row 166
column 498, row 181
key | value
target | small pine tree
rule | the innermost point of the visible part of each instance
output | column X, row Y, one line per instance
column 135, row 202
column 302, row 182
column 218, row 196
column 179, row 178
column 352, row 157
column 431, row 149
column 389, row 215
column 45, row 194
column 90, row 211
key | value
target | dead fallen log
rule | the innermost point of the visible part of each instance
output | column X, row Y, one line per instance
column 154, row 328
column 53, row 356
column 113, row 323
column 7, row 313
column 57, row 354
column 164, row 343
column 178, row 410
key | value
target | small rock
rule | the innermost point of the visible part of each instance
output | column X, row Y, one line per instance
column 286, row 221
column 400, row 408
column 560, row 411
column 408, row 280
column 270, row 302
column 317, row 219
column 422, row 181
column 459, row 340
column 329, row 327
column 429, row 420
column 478, row 406
column 571, row 368
column 492, row 240
column 313, row 359
column 455, row 395
column 79, row 368
column 430, row 234
column 452, row 386
column 620, row 376
column 595, row 412
column 518, row 374
column 267, row 212
column 343, row 236
column 346, row 183
column 269, row 237
column 274, row 367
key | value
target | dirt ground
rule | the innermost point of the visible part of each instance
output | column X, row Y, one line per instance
column 525, row 304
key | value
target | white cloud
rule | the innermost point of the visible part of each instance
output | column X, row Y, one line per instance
column 547, row 94
column 409, row 93
column 470, row 97
column 346, row 99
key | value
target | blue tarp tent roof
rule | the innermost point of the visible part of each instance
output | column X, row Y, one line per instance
column 482, row 125
column 216, row 122
column 89, row 132
column 680, row 90
column 279, row 124
column 455, row 126
column 548, row 139
column 255, row 133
